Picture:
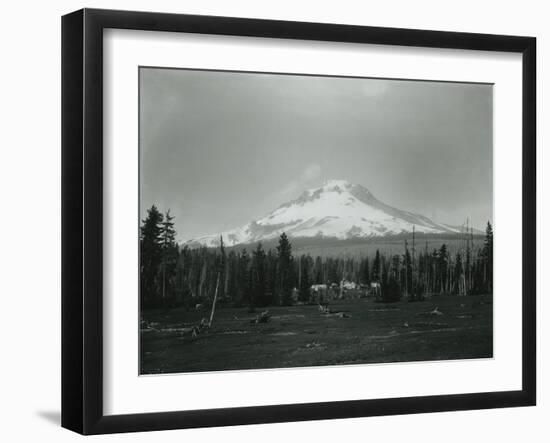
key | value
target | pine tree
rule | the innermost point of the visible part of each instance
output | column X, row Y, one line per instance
column 407, row 269
column 333, row 271
column 259, row 281
column 386, row 283
column 271, row 289
column 285, row 278
column 468, row 270
column 305, row 279
column 376, row 267
column 181, row 290
column 222, row 269
column 169, row 258
column 232, row 267
column 459, row 275
column 150, row 257
column 391, row 290
column 442, row 265
column 365, row 271
column 395, row 270
column 243, row 279
column 488, row 258
column 318, row 272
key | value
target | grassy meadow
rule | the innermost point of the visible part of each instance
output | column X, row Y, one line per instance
column 355, row 332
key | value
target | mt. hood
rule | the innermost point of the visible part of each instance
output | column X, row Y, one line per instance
column 338, row 210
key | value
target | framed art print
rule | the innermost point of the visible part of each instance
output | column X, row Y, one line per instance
column 270, row 221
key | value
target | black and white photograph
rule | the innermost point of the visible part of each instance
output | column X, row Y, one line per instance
column 266, row 222
column 299, row 220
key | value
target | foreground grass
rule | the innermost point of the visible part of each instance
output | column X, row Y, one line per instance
column 301, row 336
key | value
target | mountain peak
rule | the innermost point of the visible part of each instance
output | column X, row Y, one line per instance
column 334, row 183
column 358, row 191
column 343, row 185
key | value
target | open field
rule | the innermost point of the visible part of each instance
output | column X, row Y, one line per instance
column 461, row 328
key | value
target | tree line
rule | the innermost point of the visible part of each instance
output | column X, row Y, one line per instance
column 171, row 275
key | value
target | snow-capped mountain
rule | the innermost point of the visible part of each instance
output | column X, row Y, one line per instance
column 337, row 210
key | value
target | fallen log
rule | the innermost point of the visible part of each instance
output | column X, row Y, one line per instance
column 263, row 317
column 339, row 314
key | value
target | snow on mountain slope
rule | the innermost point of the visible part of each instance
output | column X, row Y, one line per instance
column 338, row 209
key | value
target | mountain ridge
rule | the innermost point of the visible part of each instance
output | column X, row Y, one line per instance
column 337, row 210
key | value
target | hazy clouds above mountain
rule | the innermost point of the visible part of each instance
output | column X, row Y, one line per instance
column 222, row 149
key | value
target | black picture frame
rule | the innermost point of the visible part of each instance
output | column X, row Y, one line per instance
column 82, row 220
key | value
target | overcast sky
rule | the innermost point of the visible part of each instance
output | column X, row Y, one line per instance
column 220, row 149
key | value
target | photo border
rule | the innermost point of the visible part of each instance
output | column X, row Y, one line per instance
column 82, row 220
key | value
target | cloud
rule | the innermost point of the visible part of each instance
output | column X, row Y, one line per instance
column 374, row 88
column 310, row 173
